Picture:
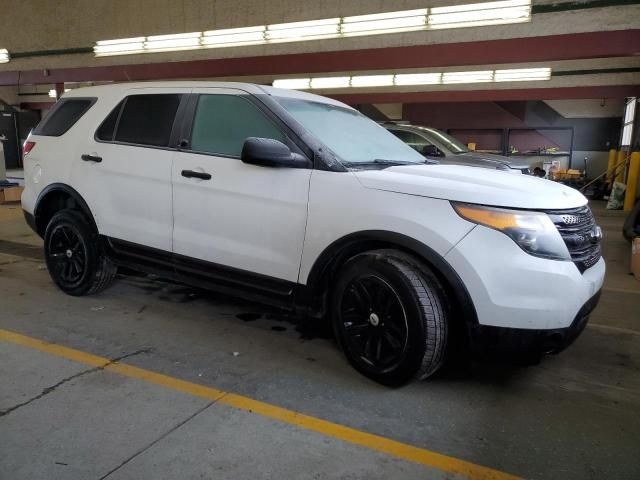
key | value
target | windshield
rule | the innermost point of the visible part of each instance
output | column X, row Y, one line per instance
column 450, row 143
column 351, row 136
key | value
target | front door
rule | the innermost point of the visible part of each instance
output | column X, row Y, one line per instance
column 226, row 212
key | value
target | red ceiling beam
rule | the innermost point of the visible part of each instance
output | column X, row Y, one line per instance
column 558, row 93
column 620, row 43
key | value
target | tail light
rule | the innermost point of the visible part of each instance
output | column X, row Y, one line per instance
column 26, row 148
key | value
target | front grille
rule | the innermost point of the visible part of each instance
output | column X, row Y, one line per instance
column 581, row 235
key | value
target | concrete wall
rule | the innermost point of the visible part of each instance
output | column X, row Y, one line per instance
column 62, row 24
column 593, row 137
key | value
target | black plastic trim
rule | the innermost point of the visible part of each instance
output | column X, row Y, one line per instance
column 31, row 220
column 344, row 248
column 519, row 341
column 61, row 187
column 203, row 274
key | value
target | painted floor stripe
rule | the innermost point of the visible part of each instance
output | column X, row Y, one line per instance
column 621, row 290
column 324, row 427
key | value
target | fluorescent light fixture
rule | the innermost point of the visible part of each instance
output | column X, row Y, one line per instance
column 467, row 77
column 409, row 79
column 470, row 15
column 522, row 74
column 403, row 21
column 330, row 82
column 4, row 55
column 297, row 31
column 293, row 83
column 418, row 79
column 234, row 37
column 372, row 81
column 166, row 43
column 120, row 46
column 478, row 14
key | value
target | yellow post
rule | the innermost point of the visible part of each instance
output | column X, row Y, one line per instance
column 612, row 161
column 632, row 182
column 620, row 162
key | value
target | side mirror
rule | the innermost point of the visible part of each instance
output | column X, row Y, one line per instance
column 431, row 151
column 267, row 152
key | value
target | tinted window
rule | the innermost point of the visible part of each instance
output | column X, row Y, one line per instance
column 106, row 130
column 63, row 117
column 148, row 119
column 223, row 122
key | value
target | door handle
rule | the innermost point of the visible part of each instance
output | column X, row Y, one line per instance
column 91, row 158
column 194, row 174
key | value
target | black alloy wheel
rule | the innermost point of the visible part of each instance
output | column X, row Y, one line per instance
column 68, row 255
column 389, row 314
column 75, row 256
column 375, row 323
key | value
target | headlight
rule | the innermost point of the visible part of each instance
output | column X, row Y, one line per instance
column 534, row 232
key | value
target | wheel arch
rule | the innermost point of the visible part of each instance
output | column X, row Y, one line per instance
column 56, row 197
column 337, row 253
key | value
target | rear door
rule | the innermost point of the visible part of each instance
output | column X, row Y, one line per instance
column 125, row 170
column 246, row 217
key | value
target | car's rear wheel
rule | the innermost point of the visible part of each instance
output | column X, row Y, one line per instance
column 389, row 316
column 74, row 257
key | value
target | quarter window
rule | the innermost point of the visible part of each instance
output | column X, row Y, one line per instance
column 148, row 119
column 107, row 129
column 223, row 122
column 64, row 115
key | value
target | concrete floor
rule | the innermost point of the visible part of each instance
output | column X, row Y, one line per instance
column 574, row 416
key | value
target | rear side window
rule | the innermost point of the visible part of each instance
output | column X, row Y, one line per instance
column 147, row 119
column 223, row 122
column 65, row 114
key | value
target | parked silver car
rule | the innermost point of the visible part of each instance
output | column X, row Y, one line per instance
column 435, row 144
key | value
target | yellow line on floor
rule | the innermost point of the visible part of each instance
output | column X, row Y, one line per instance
column 621, row 290
column 373, row 442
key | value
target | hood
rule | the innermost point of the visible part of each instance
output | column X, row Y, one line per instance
column 473, row 185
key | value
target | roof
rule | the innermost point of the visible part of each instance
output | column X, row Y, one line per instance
column 251, row 88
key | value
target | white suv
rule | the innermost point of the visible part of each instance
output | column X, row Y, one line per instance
column 299, row 201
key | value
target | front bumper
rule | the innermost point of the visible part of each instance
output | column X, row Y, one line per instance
column 516, row 341
column 512, row 289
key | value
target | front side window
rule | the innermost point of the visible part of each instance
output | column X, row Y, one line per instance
column 63, row 117
column 148, row 119
column 223, row 122
column 354, row 138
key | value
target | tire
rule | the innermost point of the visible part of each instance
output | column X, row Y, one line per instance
column 74, row 256
column 389, row 314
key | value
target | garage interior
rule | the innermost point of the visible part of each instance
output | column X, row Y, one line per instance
column 155, row 379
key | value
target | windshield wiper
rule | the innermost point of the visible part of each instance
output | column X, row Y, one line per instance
column 387, row 162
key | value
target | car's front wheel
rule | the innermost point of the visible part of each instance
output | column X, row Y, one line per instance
column 75, row 259
column 389, row 316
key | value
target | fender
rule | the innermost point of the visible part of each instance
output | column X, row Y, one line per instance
column 344, row 248
column 39, row 209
